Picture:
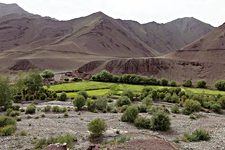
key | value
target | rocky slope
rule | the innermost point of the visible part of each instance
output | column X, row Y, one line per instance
column 64, row 45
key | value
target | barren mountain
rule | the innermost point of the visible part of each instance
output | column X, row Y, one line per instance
column 35, row 41
column 9, row 9
column 203, row 59
column 170, row 36
column 210, row 48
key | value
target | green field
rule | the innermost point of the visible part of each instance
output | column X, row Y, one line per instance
column 102, row 88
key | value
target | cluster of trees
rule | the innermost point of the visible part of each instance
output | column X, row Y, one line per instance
column 190, row 102
column 26, row 87
column 105, row 76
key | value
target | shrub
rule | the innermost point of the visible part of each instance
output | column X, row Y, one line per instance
column 221, row 101
column 12, row 113
column 187, row 83
column 79, row 102
column 7, row 130
column 66, row 115
column 103, row 76
column 142, row 108
column 124, row 100
column 57, row 109
column 197, row 135
column 31, row 109
column 201, row 84
column 173, row 84
column 5, row 120
column 191, row 106
column 101, row 103
column 130, row 114
column 83, row 93
column 147, row 101
column 43, row 96
column 174, row 98
column 164, row 82
column 128, row 93
column 142, row 122
column 7, row 126
column 91, row 105
column 220, row 85
column 160, row 121
column 47, row 108
column 175, row 109
column 47, row 74
column 68, row 139
column 97, row 127
column 16, row 107
column 216, row 107
column 62, row 97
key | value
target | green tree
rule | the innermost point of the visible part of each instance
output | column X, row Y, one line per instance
column 79, row 101
column 201, row 84
column 5, row 93
column 47, row 74
column 33, row 82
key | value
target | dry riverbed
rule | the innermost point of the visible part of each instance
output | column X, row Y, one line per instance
column 55, row 124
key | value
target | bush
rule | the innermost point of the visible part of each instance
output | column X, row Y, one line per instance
column 197, row 135
column 191, row 106
column 173, row 84
column 68, row 139
column 97, row 127
column 174, row 98
column 62, row 97
column 101, row 103
column 147, row 101
column 187, row 83
column 79, row 101
column 57, row 109
column 103, row 76
column 31, row 109
column 142, row 108
column 83, row 93
column 91, row 105
column 7, row 130
column 128, row 93
column 12, row 113
column 175, row 109
column 47, row 108
column 220, row 85
column 130, row 114
column 201, row 84
column 124, row 100
column 164, row 82
column 216, row 107
column 221, row 101
column 160, row 121
column 7, row 126
column 142, row 122
column 47, row 74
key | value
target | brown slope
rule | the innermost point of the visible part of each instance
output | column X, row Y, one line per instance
column 170, row 36
column 209, row 48
column 99, row 34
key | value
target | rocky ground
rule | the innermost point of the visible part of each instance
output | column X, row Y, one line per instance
column 55, row 124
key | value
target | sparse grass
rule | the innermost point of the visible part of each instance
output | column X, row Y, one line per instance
column 197, row 135
column 68, row 138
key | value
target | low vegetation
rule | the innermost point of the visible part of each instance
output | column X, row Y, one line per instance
column 97, row 127
column 44, row 142
column 7, row 126
column 197, row 135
